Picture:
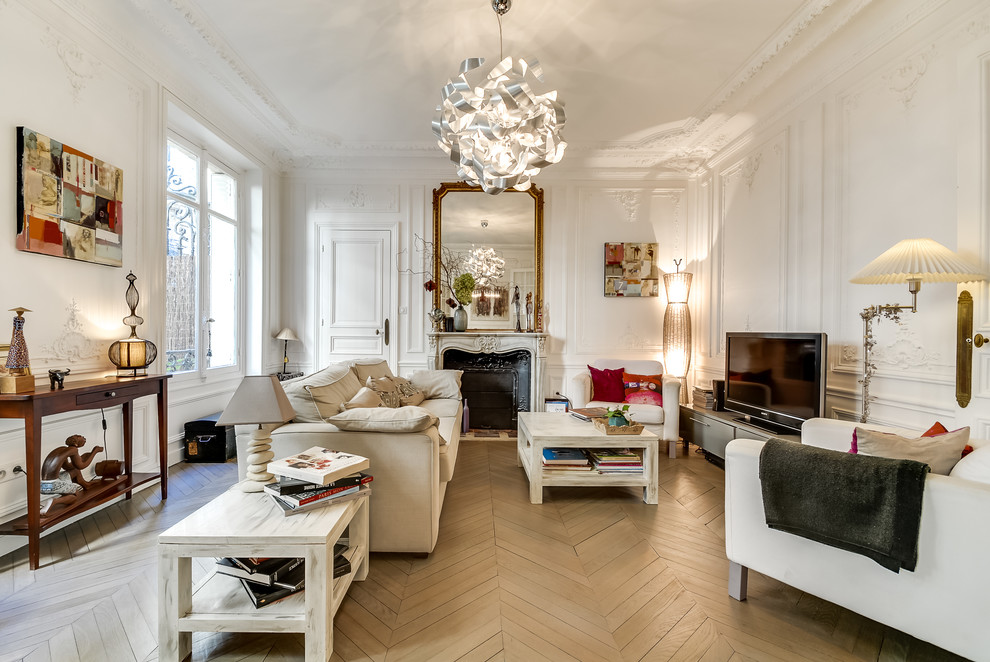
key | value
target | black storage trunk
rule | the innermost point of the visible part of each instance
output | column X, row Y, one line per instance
column 207, row 442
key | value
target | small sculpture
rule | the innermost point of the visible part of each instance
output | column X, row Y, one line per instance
column 529, row 312
column 515, row 304
column 66, row 459
column 57, row 377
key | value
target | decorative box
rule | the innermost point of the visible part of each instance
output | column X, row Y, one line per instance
column 205, row 441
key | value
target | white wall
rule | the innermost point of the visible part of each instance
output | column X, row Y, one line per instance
column 878, row 136
column 86, row 82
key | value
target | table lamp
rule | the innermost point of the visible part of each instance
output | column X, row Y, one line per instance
column 258, row 400
column 286, row 335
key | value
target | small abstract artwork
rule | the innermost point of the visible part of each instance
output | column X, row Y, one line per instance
column 631, row 270
column 69, row 204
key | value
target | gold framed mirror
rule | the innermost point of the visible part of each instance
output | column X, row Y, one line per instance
column 466, row 219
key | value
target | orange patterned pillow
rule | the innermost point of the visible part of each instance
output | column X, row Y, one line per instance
column 643, row 389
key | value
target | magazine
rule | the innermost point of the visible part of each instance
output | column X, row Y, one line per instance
column 318, row 465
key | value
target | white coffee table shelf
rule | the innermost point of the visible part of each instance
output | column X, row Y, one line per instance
column 245, row 525
column 539, row 430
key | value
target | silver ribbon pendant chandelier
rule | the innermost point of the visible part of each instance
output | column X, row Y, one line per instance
column 495, row 126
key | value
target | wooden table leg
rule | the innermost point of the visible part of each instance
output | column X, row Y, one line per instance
column 163, row 437
column 320, row 585
column 32, row 454
column 127, row 413
column 535, row 471
column 174, row 601
column 651, row 490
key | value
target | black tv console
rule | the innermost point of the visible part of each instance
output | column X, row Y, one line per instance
column 712, row 431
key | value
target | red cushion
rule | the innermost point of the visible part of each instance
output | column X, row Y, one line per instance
column 935, row 430
column 606, row 385
column 643, row 389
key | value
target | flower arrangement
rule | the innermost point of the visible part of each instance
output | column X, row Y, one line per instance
column 619, row 415
column 463, row 288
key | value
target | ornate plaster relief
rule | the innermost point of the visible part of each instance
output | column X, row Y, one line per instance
column 903, row 80
column 357, row 198
column 72, row 344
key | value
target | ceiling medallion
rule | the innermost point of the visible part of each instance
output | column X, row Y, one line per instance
column 494, row 125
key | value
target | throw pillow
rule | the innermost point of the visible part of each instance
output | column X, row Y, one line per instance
column 409, row 395
column 941, row 452
column 438, row 383
column 365, row 368
column 364, row 398
column 329, row 397
column 643, row 389
column 300, row 397
column 386, row 390
column 606, row 385
column 975, row 466
column 935, row 429
column 383, row 419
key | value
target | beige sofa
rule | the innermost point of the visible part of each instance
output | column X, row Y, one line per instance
column 410, row 469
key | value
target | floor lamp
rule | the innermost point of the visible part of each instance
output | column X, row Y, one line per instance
column 911, row 261
column 258, row 400
column 677, row 327
column 285, row 335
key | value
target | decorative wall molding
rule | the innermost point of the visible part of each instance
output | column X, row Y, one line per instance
column 79, row 67
column 72, row 344
column 674, row 195
column 629, row 201
column 749, row 168
column 632, row 340
column 357, row 197
column 903, row 80
column 906, row 352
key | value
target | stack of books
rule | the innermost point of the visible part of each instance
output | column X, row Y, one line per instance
column 565, row 459
column 704, row 397
column 316, row 478
column 615, row 460
column 268, row 580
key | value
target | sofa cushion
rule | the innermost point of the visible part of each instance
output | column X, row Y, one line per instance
column 941, row 451
column 364, row 398
column 302, row 400
column 936, row 428
column 442, row 407
column 438, row 383
column 607, row 384
column 384, row 419
column 643, row 389
column 364, row 368
column 387, row 391
column 329, row 397
column 646, row 414
column 409, row 393
column 975, row 466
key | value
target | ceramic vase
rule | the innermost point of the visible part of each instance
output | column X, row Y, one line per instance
column 460, row 319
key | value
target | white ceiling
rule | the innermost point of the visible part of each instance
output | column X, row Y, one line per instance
column 328, row 76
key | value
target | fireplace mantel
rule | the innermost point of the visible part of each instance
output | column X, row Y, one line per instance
column 497, row 342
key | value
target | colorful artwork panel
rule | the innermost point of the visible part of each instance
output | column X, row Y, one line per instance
column 69, row 204
column 631, row 270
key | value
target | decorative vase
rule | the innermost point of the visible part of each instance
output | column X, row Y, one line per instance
column 617, row 421
column 460, row 319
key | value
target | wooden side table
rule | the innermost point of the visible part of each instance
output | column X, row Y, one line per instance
column 251, row 525
column 33, row 406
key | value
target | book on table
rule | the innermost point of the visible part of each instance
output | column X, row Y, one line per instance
column 350, row 494
column 293, row 581
column 286, row 486
column 588, row 413
column 564, row 456
column 264, row 572
column 317, row 492
column 318, row 465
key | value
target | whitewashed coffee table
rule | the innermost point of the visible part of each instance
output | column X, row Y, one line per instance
column 539, row 430
column 245, row 525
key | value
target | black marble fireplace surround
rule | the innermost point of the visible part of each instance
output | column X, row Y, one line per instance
column 496, row 385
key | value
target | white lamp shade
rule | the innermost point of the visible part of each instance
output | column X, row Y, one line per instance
column 286, row 334
column 259, row 399
column 918, row 259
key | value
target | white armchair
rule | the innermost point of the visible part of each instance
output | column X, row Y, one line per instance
column 661, row 420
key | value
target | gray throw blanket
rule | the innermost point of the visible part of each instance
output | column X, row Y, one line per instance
column 863, row 504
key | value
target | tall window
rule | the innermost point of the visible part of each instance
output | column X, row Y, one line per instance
column 201, row 304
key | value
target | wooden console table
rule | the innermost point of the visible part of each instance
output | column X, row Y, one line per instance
column 78, row 396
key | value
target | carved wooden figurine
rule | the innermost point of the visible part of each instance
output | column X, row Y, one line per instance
column 68, row 459
column 57, row 377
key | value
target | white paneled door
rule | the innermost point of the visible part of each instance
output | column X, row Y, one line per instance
column 356, row 294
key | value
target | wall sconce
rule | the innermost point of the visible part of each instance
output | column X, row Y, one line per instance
column 910, row 261
column 677, row 326
column 286, row 335
column 132, row 353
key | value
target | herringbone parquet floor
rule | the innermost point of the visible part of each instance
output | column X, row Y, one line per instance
column 591, row 574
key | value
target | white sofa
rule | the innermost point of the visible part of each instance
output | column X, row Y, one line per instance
column 663, row 420
column 945, row 601
column 410, row 469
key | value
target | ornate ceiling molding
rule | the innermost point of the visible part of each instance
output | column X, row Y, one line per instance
column 80, row 68
column 904, row 78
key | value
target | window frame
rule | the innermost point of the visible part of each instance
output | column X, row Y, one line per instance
column 207, row 159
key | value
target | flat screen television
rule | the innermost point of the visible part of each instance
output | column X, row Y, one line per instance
column 777, row 380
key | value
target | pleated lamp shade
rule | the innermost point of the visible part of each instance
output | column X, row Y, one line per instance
column 924, row 260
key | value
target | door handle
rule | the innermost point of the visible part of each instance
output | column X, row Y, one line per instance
column 386, row 332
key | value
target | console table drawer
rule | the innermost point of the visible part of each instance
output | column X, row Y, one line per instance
column 112, row 395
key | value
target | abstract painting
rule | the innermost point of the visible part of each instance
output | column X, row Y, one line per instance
column 69, row 204
column 631, row 270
